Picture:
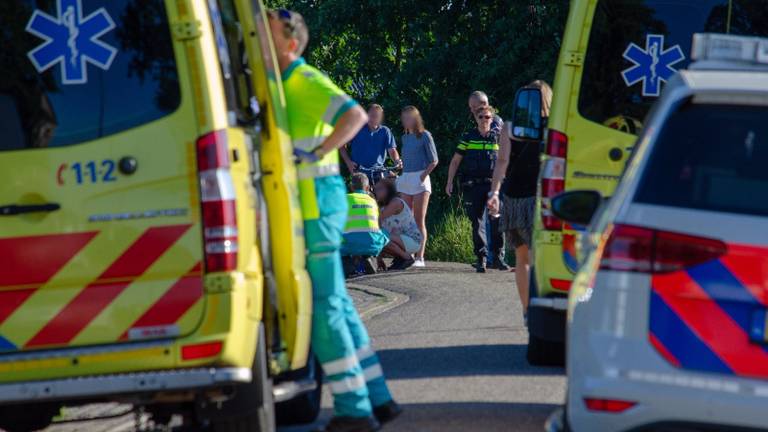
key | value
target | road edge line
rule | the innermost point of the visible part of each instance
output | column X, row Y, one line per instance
column 390, row 300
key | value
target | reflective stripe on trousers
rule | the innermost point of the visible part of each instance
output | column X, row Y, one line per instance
column 339, row 337
column 313, row 171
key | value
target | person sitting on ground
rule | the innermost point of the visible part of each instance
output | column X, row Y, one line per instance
column 397, row 219
column 362, row 235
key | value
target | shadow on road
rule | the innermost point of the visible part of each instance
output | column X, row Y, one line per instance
column 460, row 361
column 462, row 417
column 473, row 416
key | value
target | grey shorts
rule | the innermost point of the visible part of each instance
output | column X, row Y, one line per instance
column 517, row 220
column 517, row 237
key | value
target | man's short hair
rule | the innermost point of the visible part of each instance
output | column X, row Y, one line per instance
column 376, row 107
column 295, row 27
column 478, row 94
column 359, row 182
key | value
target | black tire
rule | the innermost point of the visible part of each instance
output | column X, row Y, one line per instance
column 305, row 408
column 28, row 418
column 545, row 353
column 252, row 408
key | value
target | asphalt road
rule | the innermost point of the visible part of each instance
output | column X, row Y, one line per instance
column 452, row 343
column 454, row 354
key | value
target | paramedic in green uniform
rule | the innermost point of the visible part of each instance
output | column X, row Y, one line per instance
column 322, row 118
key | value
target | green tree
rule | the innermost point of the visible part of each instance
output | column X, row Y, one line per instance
column 432, row 54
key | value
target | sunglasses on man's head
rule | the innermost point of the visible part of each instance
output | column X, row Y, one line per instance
column 286, row 17
column 484, row 117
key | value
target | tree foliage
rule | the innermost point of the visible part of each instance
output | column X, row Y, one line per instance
column 432, row 54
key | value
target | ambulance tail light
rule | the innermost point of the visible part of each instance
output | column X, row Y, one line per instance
column 201, row 351
column 553, row 177
column 643, row 250
column 217, row 193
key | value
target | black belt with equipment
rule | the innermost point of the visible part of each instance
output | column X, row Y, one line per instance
column 475, row 181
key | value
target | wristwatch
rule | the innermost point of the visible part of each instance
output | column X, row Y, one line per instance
column 493, row 194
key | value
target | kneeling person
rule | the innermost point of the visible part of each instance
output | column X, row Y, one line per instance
column 362, row 235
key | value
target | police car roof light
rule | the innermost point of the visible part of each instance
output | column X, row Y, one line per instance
column 729, row 48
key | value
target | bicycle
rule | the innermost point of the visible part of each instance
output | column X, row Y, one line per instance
column 378, row 173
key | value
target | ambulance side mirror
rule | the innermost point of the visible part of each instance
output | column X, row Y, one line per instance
column 527, row 122
column 577, row 207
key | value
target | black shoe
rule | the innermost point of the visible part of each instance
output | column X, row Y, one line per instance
column 480, row 265
column 408, row 263
column 351, row 424
column 402, row 264
column 370, row 265
column 500, row 265
column 387, row 412
column 396, row 262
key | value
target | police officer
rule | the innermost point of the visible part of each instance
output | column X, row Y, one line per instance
column 321, row 118
column 475, row 159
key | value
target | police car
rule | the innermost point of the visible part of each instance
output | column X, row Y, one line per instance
column 667, row 320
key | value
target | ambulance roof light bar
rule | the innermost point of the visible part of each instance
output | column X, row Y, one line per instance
column 723, row 48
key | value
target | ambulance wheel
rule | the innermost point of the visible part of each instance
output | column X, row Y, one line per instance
column 252, row 408
column 28, row 418
column 305, row 408
column 542, row 352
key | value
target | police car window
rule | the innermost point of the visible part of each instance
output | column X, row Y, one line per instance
column 233, row 58
column 710, row 157
column 635, row 45
column 76, row 70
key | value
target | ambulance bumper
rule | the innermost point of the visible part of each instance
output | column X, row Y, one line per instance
column 108, row 385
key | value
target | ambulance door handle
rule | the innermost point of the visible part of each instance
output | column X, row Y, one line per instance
column 13, row 210
column 616, row 154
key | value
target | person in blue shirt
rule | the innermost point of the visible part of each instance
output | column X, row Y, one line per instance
column 371, row 145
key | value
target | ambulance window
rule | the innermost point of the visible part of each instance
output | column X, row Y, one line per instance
column 233, row 58
column 109, row 67
column 710, row 157
column 616, row 96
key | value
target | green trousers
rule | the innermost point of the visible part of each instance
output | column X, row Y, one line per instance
column 339, row 338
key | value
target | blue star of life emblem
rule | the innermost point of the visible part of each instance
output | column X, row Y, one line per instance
column 71, row 40
column 652, row 65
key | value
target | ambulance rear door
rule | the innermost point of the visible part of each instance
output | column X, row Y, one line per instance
column 100, row 236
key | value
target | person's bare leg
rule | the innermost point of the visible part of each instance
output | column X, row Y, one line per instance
column 408, row 200
column 522, row 265
column 395, row 248
column 420, row 205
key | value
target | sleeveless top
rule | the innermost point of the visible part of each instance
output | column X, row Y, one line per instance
column 403, row 223
column 523, row 170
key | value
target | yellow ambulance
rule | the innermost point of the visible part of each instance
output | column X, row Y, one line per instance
column 151, row 244
column 614, row 60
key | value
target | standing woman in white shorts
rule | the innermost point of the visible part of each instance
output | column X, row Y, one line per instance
column 419, row 156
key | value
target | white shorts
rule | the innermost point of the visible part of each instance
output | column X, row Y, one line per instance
column 410, row 183
column 411, row 246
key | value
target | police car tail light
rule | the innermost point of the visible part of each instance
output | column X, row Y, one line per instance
column 553, row 177
column 644, row 250
column 217, row 193
column 608, row 405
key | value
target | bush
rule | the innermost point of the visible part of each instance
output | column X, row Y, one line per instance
column 450, row 236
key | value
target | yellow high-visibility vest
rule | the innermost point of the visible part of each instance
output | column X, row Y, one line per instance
column 314, row 104
column 363, row 214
